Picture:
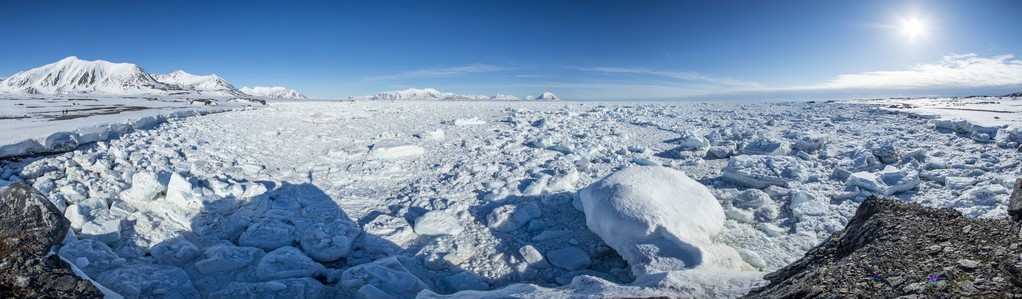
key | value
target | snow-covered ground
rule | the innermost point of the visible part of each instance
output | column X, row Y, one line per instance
column 33, row 124
column 983, row 111
column 375, row 199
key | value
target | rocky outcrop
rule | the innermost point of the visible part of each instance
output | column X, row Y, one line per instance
column 1015, row 203
column 29, row 226
column 897, row 249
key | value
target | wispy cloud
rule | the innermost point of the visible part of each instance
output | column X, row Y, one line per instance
column 688, row 76
column 532, row 76
column 953, row 71
column 443, row 72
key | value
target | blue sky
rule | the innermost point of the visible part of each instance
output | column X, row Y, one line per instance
column 580, row 50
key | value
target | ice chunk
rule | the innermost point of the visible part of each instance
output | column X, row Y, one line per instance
column 268, row 234
column 286, row 288
column 752, row 258
column 395, row 230
column 860, row 159
column 810, row 143
column 885, row 151
column 723, row 150
column 78, row 215
column 383, row 278
column 206, row 168
column 61, row 142
column 104, row 228
column 645, row 161
column 145, row 186
column 956, row 125
column 804, row 204
column 763, row 146
column 287, row 262
column 179, row 193
column 752, row 199
column 432, row 135
column 763, row 171
column 464, row 280
column 149, row 281
column 886, row 182
column 175, row 251
column 690, row 141
column 569, row 257
column 435, row 223
column 1010, row 136
column 389, row 150
column 508, row 218
column 468, row 122
column 91, row 256
column 327, row 242
column 221, row 259
column 532, row 256
column 658, row 219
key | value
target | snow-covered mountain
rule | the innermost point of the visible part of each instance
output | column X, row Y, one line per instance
column 207, row 85
column 1010, row 95
column 548, row 96
column 430, row 94
column 75, row 76
column 273, row 92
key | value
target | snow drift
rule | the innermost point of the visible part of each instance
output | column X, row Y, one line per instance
column 659, row 220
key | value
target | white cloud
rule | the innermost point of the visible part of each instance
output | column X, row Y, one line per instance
column 953, row 71
column 443, row 72
column 689, row 76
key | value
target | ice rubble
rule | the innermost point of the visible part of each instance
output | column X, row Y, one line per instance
column 493, row 209
column 763, row 171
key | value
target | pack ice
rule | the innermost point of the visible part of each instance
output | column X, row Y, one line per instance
column 366, row 199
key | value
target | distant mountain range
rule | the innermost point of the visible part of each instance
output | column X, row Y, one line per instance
column 273, row 92
column 430, row 94
column 1014, row 95
column 75, row 76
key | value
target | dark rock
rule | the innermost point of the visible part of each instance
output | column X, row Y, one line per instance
column 1015, row 203
column 29, row 226
column 905, row 249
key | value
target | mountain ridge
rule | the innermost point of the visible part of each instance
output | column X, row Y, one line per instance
column 432, row 94
column 74, row 76
column 273, row 92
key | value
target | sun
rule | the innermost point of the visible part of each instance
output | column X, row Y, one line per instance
column 913, row 28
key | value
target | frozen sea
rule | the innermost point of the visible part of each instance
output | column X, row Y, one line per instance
column 504, row 199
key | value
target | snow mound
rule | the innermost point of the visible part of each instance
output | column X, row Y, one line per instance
column 659, row 220
column 763, row 171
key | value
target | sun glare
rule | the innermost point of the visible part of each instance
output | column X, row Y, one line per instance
column 913, row 28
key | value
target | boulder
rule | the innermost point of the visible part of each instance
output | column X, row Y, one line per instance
column 30, row 225
column 1015, row 203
